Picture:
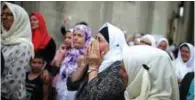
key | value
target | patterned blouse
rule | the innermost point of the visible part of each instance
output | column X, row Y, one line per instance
column 17, row 58
column 109, row 85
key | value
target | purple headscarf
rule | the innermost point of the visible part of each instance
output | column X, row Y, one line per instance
column 70, row 61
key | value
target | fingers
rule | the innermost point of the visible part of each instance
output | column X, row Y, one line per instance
column 93, row 47
column 98, row 48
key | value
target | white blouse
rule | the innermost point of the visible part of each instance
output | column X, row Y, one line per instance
column 17, row 58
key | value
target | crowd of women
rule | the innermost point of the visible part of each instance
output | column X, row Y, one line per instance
column 85, row 68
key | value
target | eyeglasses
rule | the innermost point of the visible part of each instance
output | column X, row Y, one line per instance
column 6, row 14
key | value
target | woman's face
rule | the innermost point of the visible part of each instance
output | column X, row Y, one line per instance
column 185, row 53
column 34, row 22
column 163, row 45
column 7, row 18
column 78, row 39
column 103, row 44
column 68, row 39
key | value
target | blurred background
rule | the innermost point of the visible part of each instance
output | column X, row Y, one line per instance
column 171, row 19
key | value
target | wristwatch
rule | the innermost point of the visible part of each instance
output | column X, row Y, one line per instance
column 91, row 70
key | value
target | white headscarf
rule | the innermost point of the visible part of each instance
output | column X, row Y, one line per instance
column 151, row 38
column 116, row 42
column 20, row 31
column 163, row 40
column 181, row 67
column 157, row 83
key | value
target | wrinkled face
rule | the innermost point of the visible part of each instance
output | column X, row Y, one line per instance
column 34, row 22
column 103, row 44
column 145, row 42
column 163, row 46
column 37, row 64
column 68, row 39
column 78, row 39
column 7, row 18
column 185, row 53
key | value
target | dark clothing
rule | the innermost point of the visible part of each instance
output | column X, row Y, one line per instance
column 48, row 53
column 34, row 88
column 185, row 85
column 109, row 85
column 2, row 63
column 2, row 98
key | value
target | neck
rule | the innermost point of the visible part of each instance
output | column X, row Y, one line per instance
column 35, row 72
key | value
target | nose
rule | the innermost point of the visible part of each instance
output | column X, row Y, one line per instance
column 3, row 16
column 75, row 38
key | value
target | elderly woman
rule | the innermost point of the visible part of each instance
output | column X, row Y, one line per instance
column 81, row 39
column 184, row 63
column 150, row 74
column 101, row 78
column 17, row 49
column 163, row 44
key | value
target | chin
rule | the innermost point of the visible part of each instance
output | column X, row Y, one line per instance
column 77, row 47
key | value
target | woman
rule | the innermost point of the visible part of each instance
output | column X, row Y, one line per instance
column 81, row 39
column 60, row 54
column 163, row 44
column 150, row 74
column 101, row 79
column 148, row 40
column 62, row 51
column 185, row 61
column 17, row 49
column 41, row 38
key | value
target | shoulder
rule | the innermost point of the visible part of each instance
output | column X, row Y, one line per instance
column 116, row 65
column 114, row 69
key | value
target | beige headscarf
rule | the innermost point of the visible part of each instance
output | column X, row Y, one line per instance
column 157, row 83
column 20, row 31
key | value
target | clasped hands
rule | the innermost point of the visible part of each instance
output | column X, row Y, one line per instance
column 92, row 56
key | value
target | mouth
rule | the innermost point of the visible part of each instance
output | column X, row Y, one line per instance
column 4, row 21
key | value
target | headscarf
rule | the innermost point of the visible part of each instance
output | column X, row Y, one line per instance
column 40, row 36
column 116, row 42
column 150, row 74
column 150, row 38
column 163, row 40
column 181, row 67
column 20, row 31
column 70, row 60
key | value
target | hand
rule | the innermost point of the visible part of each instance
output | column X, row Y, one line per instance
column 62, row 48
column 45, row 76
column 81, row 61
column 94, row 58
